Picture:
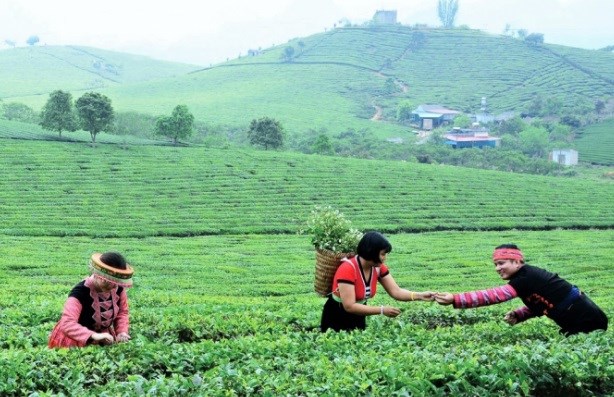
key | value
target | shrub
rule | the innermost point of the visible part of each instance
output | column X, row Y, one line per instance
column 330, row 230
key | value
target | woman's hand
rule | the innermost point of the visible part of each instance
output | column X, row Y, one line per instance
column 510, row 318
column 390, row 311
column 122, row 337
column 444, row 298
column 103, row 338
column 427, row 296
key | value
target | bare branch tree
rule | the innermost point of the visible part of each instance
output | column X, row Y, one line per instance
column 447, row 9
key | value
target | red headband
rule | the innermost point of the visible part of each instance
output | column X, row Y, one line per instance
column 507, row 253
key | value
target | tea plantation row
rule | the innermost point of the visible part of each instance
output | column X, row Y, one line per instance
column 235, row 315
column 60, row 189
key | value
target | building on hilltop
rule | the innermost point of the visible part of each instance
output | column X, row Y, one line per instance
column 564, row 156
column 385, row 17
column 459, row 138
column 432, row 116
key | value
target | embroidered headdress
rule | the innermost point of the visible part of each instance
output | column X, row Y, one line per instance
column 121, row 277
column 502, row 254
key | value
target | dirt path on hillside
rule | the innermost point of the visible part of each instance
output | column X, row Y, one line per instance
column 378, row 110
column 378, row 113
column 404, row 88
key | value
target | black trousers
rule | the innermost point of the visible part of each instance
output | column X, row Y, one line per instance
column 336, row 318
column 581, row 316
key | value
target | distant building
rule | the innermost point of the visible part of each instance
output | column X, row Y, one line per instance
column 484, row 118
column 564, row 156
column 384, row 17
column 459, row 138
column 432, row 116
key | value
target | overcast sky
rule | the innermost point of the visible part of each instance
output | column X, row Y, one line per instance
column 206, row 31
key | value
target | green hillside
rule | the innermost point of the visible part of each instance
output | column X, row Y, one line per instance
column 335, row 79
column 26, row 131
column 596, row 143
column 77, row 189
column 337, row 100
column 38, row 70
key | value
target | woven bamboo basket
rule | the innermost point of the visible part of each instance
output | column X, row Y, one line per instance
column 327, row 263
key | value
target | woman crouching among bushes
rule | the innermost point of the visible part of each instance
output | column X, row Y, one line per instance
column 96, row 311
column 355, row 282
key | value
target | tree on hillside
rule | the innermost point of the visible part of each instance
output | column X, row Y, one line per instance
column 522, row 33
column 10, row 43
column 560, row 133
column 266, row 132
column 134, row 123
column 179, row 125
column 404, row 110
column 95, row 113
column 512, row 126
column 18, row 112
column 599, row 107
column 534, row 39
column 462, row 121
column 390, row 86
column 323, row 145
column 32, row 40
column 58, row 114
column 536, row 106
column 534, row 141
column 288, row 53
column 571, row 120
column 446, row 10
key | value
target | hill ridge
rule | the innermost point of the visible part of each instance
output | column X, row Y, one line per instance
column 580, row 67
column 80, row 67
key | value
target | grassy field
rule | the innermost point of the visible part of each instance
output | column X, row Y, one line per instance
column 223, row 302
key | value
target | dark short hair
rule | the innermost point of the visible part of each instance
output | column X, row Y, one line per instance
column 371, row 244
column 114, row 259
column 511, row 246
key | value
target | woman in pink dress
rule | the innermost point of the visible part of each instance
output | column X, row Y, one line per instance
column 96, row 311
